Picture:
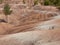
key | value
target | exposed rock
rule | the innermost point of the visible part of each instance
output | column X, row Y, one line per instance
column 32, row 38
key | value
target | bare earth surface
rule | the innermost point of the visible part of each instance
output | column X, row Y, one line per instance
column 47, row 37
column 29, row 25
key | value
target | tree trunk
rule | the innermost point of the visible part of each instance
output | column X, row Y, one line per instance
column 7, row 18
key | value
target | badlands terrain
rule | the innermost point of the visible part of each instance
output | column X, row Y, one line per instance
column 29, row 25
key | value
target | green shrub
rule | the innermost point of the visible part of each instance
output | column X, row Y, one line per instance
column 35, row 2
column 7, row 10
column 46, row 2
column 1, row 1
column 52, row 2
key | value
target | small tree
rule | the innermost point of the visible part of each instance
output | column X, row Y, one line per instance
column 7, row 11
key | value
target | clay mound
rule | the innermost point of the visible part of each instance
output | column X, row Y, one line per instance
column 32, row 37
